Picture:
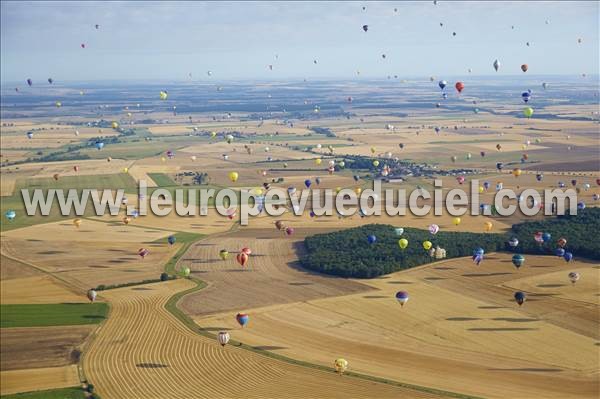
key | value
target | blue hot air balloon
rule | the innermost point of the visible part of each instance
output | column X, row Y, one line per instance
column 568, row 256
column 499, row 165
column 513, row 242
column 444, row 95
column 526, row 96
column 307, row 183
column 486, row 184
column 442, row 84
column 30, row 135
column 99, row 145
column 371, row 238
column 242, row 319
column 10, row 215
column 171, row 240
column 559, row 252
column 520, row 297
column 546, row 237
column 402, row 297
column 580, row 206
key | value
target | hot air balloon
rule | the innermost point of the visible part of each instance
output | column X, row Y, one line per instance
column 546, row 237
column 233, row 176
column 524, row 67
column 163, row 95
column 186, row 271
column 340, row 365
column 486, row 185
column 513, row 242
column 560, row 252
column 456, row 221
column 142, row 252
column 399, row 231
column 460, row 179
column 499, row 165
column 29, row 82
column 242, row 319
column 526, row 96
column 403, row 243
column 528, row 112
column 459, row 86
column 223, row 338
column 55, row 176
column 289, row 231
column 539, row 237
column 307, row 183
column 442, row 84
column 171, row 240
column 371, row 238
column 402, row 297
column 30, row 135
column 520, row 297
column 545, row 85
column 77, row 222
column 518, row 260
column 10, row 215
column 517, row 172
column 50, row 80
column 574, row 277
column 99, row 145
column 82, row 45
column 126, row 220
column 427, row 245
column 434, row 228
column 58, row 104
column 365, row 27
column 568, row 256
column 478, row 255
column 487, row 226
column 91, row 295
column 242, row 259
column 562, row 242
column 223, row 254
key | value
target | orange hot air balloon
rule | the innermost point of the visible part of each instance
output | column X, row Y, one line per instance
column 242, row 258
column 126, row 219
column 459, row 86
column 524, row 67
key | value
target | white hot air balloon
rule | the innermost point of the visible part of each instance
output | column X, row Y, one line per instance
column 223, row 338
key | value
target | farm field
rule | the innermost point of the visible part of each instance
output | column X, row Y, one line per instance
column 459, row 317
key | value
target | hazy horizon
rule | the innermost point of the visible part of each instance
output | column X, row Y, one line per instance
column 239, row 40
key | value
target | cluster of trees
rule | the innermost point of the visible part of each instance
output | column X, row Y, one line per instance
column 323, row 130
column 349, row 253
column 163, row 277
column 579, row 231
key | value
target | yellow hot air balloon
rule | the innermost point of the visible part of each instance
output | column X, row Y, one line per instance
column 125, row 170
column 115, row 125
column 129, row 114
column 193, row 157
column 358, row 190
column 373, row 150
column 163, row 95
column 403, row 243
column 213, row 135
column 258, row 191
column 517, row 172
column 58, row 104
column 528, row 111
column 233, row 176
column 427, row 245
column 456, row 221
column 163, row 159
column 338, row 189
column 488, row 226
column 376, row 163
column 340, row 365
column 481, row 189
column 318, row 161
column 77, row 222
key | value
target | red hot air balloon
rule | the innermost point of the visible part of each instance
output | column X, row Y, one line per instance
column 459, row 86
column 247, row 251
column 142, row 252
column 524, row 67
column 242, row 259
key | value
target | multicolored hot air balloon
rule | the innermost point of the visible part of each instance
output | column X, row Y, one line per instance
column 402, row 297
column 142, row 252
column 242, row 319
column 10, row 215
column 518, row 260
column 433, row 229
column 574, row 277
column 242, row 259
column 223, row 254
column 223, row 338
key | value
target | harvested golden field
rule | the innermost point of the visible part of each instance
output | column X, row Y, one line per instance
column 26, row 380
column 272, row 276
column 37, row 289
column 96, row 253
column 461, row 326
column 54, row 346
column 143, row 351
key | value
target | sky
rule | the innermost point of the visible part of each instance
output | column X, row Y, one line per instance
column 239, row 40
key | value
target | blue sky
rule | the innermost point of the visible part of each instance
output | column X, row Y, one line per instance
column 238, row 40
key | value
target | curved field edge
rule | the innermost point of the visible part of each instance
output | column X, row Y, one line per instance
column 171, row 307
column 60, row 393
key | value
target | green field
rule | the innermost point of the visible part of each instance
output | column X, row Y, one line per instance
column 162, row 180
column 62, row 314
column 63, row 393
